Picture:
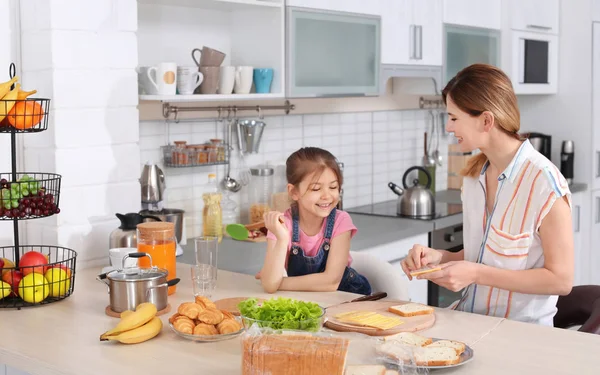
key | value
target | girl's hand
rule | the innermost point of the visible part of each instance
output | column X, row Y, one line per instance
column 275, row 224
column 454, row 275
column 418, row 257
column 257, row 276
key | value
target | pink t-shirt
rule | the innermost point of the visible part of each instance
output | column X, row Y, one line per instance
column 311, row 244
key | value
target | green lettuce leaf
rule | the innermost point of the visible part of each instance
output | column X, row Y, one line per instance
column 283, row 313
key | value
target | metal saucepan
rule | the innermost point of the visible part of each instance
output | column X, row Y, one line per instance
column 131, row 286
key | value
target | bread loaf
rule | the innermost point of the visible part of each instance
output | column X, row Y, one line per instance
column 411, row 309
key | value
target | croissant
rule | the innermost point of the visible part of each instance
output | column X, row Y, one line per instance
column 189, row 309
column 184, row 325
column 228, row 326
column 205, row 302
column 174, row 317
column 210, row 316
column 205, row 329
column 227, row 315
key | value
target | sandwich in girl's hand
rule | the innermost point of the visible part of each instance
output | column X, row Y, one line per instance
column 310, row 251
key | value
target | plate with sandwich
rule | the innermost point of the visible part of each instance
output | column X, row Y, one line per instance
column 408, row 349
column 380, row 318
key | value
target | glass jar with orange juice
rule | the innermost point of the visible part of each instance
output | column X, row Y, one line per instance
column 158, row 239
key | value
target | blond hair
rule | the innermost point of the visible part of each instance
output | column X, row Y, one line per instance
column 479, row 88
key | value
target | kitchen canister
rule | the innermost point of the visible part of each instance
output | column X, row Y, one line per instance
column 159, row 240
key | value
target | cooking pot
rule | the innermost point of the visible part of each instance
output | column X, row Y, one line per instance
column 129, row 287
column 416, row 201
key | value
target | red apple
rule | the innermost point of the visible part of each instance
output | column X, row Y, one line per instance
column 1, row 263
column 33, row 259
column 13, row 277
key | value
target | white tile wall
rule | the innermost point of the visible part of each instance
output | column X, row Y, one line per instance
column 375, row 147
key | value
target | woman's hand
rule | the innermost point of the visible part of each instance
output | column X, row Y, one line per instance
column 454, row 276
column 275, row 224
column 418, row 257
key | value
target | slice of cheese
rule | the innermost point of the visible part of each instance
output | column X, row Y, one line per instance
column 369, row 319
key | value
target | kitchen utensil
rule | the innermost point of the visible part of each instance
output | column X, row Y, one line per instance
column 415, row 201
column 249, row 134
column 237, row 231
column 153, row 186
column 228, row 182
column 410, row 324
column 231, row 304
column 370, row 297
column 427, row 159
column 436, row 156
column 125, row 235
column 129, row 287
column 209, row 338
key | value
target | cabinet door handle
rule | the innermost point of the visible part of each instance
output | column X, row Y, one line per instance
column 412, row 34
column 597, row 163
column 578, row 217
column 597, row 216
column 539, row 27
column 419, row 44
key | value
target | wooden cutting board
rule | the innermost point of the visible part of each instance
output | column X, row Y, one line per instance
column 230, row 304
column 411, row 324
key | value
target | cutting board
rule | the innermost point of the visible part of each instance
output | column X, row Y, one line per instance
column 411, row 324
column 230, row 304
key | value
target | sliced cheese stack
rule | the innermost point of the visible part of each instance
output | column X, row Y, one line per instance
column 369, row 319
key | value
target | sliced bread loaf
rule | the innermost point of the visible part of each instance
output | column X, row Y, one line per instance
column 365, row 370
column 411, row 309
column 442, row 356
column 409, row 338
column 458, row 346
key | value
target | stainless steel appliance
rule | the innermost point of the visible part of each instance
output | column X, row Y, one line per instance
column 450, row 239
column 153, row 187
column 170, row 215
column 567, row 158
column 126, row 235
column 416, row 201
column 541, row 142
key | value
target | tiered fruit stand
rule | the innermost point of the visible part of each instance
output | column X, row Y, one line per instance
column 31, row 274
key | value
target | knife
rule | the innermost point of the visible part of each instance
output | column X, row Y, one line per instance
column 370, row 297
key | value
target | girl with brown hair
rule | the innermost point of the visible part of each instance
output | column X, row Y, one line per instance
column 518, row 238
column 310, row 251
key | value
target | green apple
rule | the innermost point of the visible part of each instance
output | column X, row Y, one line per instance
column 59, row 281
column 34, row 288
column 4, row 289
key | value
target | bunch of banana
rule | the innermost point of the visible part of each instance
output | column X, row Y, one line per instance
column 8, row 97
column 135, row 326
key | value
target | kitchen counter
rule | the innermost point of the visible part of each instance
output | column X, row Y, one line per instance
column 63, row 338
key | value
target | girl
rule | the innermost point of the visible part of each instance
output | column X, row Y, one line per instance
column 313, row 244
column 518, row 236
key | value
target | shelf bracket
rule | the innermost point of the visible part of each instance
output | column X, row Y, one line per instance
column 168, row 109
column 430, row 103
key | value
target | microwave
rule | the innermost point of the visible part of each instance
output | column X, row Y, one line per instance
column 534, row 62
column 331, row 53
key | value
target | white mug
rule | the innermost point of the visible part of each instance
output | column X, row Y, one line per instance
column 188, row 79
column 243, row 79
column 117, row 254
column 166, row 78
column 227, row 79
column 145, row 86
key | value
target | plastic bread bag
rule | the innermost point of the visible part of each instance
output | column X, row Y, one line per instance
column 405, row 358
column 282, row 352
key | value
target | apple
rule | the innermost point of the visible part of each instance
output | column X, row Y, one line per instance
column 34, row 288
column 8, row 264
column 61, row 266
column 31, row 260
column 13, row 277
column 1, row 262
column 4, row 289
column 59, row 281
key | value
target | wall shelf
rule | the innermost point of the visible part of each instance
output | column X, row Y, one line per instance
column 222, row 5
column 209, row 98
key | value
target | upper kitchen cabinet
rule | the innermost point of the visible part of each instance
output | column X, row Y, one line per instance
column 352, row 6
column 411, row 32
column 540, row 16
column 233, row 38
column 332, row 53
column 484, row 14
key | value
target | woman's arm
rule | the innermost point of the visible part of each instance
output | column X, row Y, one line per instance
column 329, row 280
column 556, row 277
column 271, row 274
column 448, row 256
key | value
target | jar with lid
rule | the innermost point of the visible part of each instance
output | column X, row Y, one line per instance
column 212, row 215
column 260, row 190
column 158, row 239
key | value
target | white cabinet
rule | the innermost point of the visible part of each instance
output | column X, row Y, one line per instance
column 577, row 203
column 411, row 32
column 353, row 6
column 596, row 104
column 535, row 15
column 596, row 10
column 485, row 14
column 592, row 267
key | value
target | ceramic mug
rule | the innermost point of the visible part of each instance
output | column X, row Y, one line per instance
column 166, row 78
column 210, row 84
column 188, row 79
column 262, row 80
column 243, row 79
column 208, row 57
column 145, row 86
column 117, row 254
column 226, row 80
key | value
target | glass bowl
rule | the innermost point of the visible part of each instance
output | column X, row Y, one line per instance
column 308, row 325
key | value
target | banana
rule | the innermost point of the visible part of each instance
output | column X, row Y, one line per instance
column 126, row 313
column 9, row 101
column 22, row 95
column 144, row 312
column 140, row 334
column 5, row 86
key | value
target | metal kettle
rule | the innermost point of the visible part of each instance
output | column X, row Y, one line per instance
column 416, row 201
column 126, row 235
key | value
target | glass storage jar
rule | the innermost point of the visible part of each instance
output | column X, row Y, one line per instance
column 158, row 239
column 260, row 190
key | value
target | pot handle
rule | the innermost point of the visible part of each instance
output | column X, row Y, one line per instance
column 416, row 167
column 102, row 279
column 169, row 283
column 396, row 189
column 136, row 255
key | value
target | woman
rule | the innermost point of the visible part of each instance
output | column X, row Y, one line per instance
column 518, row 237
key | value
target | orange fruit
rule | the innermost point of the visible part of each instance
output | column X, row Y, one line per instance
column 25, row 114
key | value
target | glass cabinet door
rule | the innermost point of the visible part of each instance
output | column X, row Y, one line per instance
column 465, row 46
column 332, row 53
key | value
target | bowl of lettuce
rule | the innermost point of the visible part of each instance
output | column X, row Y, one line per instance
column 282, row 314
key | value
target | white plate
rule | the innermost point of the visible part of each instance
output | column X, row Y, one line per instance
column 209, row 338
column 465, row 357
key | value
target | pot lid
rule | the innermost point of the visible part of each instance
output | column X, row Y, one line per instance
column 136, row 273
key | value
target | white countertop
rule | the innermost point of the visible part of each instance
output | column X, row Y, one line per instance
column 63, row 338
